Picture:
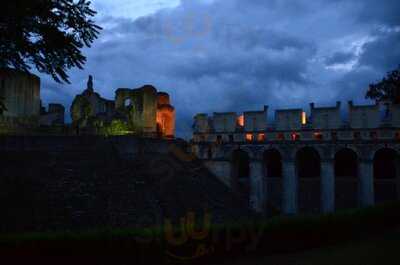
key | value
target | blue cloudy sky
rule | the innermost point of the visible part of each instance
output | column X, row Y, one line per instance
column 236, row 55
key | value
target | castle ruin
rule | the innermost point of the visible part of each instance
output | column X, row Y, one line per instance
column 144, row 110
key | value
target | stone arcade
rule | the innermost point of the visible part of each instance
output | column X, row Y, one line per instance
column 301, row 164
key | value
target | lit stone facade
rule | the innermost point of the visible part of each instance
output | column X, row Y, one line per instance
column 305, row 164
column 141, row 110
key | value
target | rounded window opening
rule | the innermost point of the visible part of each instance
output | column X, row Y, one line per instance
column 241, row 164
column 385, row 164
column 249, row 137
column 308, row 163
column 128, row 102
column 346, row 179
column 272, row 164
column 240, row 178
column 386, row 172
column 346, row 164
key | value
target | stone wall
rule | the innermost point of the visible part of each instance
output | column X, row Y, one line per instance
column 364, row 116
column 225, row 122
column 58, row 183
column 201, row 123
column 326, row 118
column 21, row 93
column 288, row 119
column 255, row 120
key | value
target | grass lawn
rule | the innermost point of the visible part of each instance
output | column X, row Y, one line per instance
column 376, row 250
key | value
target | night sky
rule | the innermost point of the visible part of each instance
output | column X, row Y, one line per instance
column 236, row 55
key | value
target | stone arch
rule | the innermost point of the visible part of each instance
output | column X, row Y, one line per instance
column 273, row 174
column 272, row 161
column 230, row 152
column 240, row 172
column 346, row 170
column 308, row 170
column 386, row 171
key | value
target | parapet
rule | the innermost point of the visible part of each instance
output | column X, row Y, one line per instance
column 364, row 116
column 288, row 119
column 326, row 117
column 321, row 118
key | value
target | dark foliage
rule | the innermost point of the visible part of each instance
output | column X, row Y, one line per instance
column 388, row 89
column 47, row 34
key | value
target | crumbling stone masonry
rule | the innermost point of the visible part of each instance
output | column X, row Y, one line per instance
column 142, row 110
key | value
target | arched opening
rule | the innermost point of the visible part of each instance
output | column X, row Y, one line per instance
column 308, row 167
column 386, row 175
column 240, row 168
column 127, row 102
column 346, row 179
column 272, row 162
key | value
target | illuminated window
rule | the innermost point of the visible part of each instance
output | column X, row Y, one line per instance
column 240, row 120
column 295, row 136
column 318, row 136
column 303, row 118
column 261, row 137
column 281, row 136
column 249, row 137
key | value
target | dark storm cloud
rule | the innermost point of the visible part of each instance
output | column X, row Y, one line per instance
column 340, row 58
column 384, row 53
column 231, row 55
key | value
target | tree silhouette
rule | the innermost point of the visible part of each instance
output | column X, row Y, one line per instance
column 387, row 90
column 47, row 34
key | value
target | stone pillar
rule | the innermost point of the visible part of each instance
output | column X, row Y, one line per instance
column 257, row 190
column 327, row 186
column 290, row 188
column 367, row 197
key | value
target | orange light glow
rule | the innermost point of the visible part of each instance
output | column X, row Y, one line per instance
column 303, row 118
column 249, row 137
column 295, row 136
column 165, row 122
column 261, row 137
column 240, row 120
column 318, row 136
